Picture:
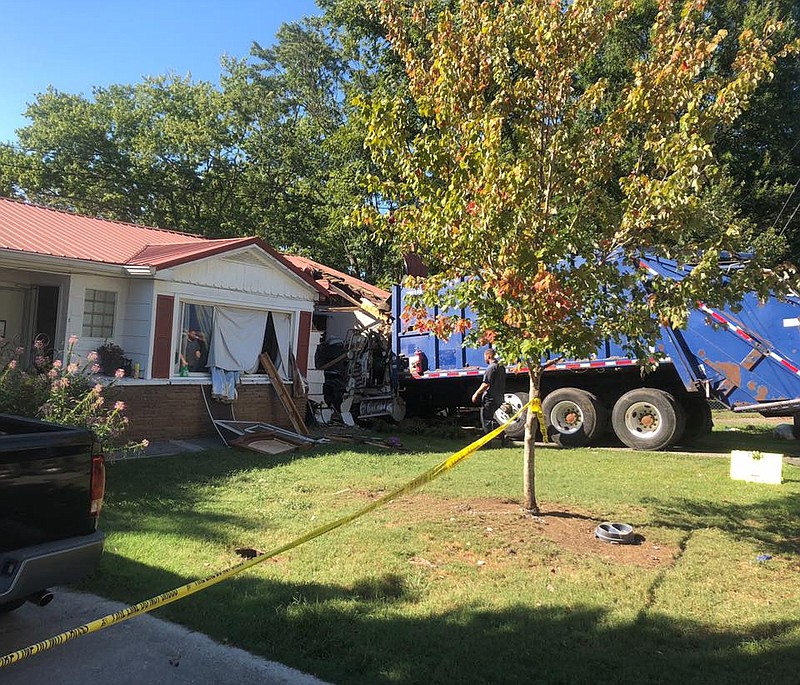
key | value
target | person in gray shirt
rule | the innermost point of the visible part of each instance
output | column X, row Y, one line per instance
column 492, row 390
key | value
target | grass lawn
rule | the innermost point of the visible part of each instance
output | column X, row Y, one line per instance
column 452, row 584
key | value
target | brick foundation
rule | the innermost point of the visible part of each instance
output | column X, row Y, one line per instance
column 169, row 412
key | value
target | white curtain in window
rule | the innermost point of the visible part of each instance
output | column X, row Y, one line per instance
column 237, row 338
column 283, row 332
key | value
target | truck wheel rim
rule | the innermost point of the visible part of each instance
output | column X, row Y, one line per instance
column 643, row 419
column 514, row 403
column 566, row 417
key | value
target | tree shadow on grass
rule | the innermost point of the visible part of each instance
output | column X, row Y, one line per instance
column 170, row 493
column 723, row 442
column 772, row 522
column 177, row 487
column 356, row 635
column 718, row 442
column 370, row 631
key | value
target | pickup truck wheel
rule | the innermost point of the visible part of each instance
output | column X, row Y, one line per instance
column 512, row 403
column 648, row 419
column 5, row 607
column 698, row 420
column 574, row 417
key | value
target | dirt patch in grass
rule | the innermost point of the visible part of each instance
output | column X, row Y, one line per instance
column 512, row 531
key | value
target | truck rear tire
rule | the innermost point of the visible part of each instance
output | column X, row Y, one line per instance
column 511, row 405
column 698, row 420
column 648, row 419
column 574, row 417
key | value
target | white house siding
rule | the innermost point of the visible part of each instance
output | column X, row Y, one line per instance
column 315, row 377
column 137, row 333
column 245, row 273
column 201, row 294
column 13, row 305
column 75, row 305
column 340, row 322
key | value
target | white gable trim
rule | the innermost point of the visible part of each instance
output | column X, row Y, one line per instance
column 249, row 255
column 243, row 274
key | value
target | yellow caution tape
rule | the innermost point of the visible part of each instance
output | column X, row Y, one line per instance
column 536, row 407
column 197, row 585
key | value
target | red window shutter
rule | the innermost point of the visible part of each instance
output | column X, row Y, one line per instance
column 303, row 342
column 162, row 336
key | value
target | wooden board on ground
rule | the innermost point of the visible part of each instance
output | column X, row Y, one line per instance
column 266, row 446
column 269, row 442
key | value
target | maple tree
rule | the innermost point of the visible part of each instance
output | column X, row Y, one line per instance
column 532, row 190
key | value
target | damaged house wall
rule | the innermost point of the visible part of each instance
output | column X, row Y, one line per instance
column 352, row 373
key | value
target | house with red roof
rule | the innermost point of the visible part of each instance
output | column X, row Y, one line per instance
column 183, row 308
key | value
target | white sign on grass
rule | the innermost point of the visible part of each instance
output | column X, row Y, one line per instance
column 757, row 467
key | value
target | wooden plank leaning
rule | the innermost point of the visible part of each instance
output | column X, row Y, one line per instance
column 283, row 395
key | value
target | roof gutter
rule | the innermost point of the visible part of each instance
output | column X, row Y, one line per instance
column 17, row 259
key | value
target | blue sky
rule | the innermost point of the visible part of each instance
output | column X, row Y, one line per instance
column 74, row 45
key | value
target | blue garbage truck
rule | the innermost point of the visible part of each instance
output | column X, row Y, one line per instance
column 749, row 360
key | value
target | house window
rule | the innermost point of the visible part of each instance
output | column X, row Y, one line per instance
column 196, row 329
column 99, row 307
column 231, row 338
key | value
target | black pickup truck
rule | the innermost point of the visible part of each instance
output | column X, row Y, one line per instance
column 52, row 481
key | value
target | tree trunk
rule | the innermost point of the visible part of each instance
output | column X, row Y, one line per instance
column 529, row 456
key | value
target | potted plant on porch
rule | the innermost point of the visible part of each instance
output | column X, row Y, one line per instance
column 111, row 357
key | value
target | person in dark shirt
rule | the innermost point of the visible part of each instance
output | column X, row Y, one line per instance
column 492, row 390
column 195, row 356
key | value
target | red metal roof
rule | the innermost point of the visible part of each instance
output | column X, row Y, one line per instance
column 164, row 256
column 30, row 228
column 40, row 230
column 326, row 277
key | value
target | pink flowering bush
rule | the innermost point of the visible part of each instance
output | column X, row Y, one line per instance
column 63, row 393
column 22, row 391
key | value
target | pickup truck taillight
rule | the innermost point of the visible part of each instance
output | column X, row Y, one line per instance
column 98, row 484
